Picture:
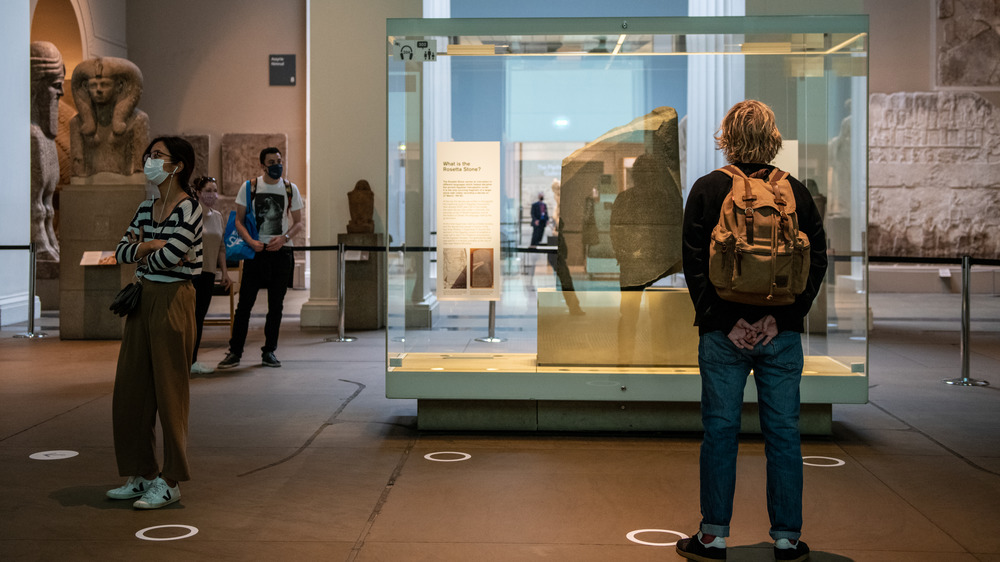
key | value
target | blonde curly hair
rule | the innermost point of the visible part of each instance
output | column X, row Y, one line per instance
column 748, row 134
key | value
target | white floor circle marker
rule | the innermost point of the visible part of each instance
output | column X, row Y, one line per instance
column 632, row 537
column 53, row 455
column 191, row 531
column 836, row 462
column 461, row 456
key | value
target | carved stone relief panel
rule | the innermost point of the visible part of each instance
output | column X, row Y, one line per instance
column 241, row 157
column 968, row 37
column 934, row 175
column 200, row 144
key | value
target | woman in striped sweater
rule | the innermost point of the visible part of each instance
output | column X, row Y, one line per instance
column 164, row 238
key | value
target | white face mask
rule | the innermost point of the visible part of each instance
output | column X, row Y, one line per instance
column 153, row 168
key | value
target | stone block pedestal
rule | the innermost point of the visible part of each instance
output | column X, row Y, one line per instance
column 364, row 288
column 93, row 217
column 659, row 331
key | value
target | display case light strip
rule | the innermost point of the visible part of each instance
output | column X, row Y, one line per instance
column 670, row 54
column 618, row 46
column 846, row 43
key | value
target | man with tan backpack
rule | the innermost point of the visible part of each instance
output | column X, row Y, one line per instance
column 754, row 258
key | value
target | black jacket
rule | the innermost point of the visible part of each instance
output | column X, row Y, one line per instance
column 701, row 214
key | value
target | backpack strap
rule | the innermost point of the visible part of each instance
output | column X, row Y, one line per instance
column 788, row 228
column 775, row 177
column 748, row 197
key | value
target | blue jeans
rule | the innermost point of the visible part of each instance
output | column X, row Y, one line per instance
column 777, row 369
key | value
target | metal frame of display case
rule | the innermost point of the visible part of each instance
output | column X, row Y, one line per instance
column 470, row 392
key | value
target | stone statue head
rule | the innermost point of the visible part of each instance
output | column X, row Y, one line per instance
column 47, row 74
column 106, row 81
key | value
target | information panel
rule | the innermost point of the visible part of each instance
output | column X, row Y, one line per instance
column 468, row 220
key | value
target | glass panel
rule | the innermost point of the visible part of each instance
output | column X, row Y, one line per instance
column 601, row 128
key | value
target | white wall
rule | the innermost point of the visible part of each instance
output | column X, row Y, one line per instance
column 15, row 214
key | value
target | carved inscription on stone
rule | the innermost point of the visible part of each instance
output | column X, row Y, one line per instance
column 934, row 175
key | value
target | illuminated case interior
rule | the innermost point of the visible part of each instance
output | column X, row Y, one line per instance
column 541, row 92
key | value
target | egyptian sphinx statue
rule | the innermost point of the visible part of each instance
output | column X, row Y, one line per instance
column 108, row 134
column 47, row 74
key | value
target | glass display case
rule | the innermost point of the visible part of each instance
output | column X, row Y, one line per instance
column 536, row 175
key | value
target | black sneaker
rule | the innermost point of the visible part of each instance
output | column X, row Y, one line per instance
column 229, row 362
column 692, row 549
column 269, row 360
column 798, row 553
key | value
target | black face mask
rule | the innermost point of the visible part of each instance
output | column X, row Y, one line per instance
column 274, row 171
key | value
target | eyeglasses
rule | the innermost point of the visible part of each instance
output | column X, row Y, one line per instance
column 203, row 181
column 159, row 156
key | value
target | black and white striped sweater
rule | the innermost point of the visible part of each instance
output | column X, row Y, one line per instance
column 181, row 257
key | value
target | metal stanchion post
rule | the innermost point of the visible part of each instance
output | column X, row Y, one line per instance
column 341, row 300
column 31, row 297
column 966, row 321
column 493, row 326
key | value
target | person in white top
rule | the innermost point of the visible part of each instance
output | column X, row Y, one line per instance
column 277, row 207
column 213, row 260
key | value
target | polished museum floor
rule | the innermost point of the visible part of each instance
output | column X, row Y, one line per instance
column 312, row 462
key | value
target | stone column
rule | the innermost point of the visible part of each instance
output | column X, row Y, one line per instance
column 347, row 136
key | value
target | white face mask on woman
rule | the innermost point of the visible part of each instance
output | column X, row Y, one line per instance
column 153, row 168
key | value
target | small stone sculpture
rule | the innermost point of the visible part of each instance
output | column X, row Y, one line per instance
column 108, row 134
column 361, row 201
column 47, row 74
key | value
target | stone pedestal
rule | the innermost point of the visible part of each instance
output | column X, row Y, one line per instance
column 47, row 284
column 364, row 288
column 93, row 217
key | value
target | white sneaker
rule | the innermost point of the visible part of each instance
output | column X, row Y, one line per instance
column 135, row 487
column 158, row 495
column 198, row 368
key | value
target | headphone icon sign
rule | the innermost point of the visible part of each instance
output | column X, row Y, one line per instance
column 406, row 53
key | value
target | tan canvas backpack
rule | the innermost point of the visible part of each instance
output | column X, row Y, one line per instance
column 757, row 254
